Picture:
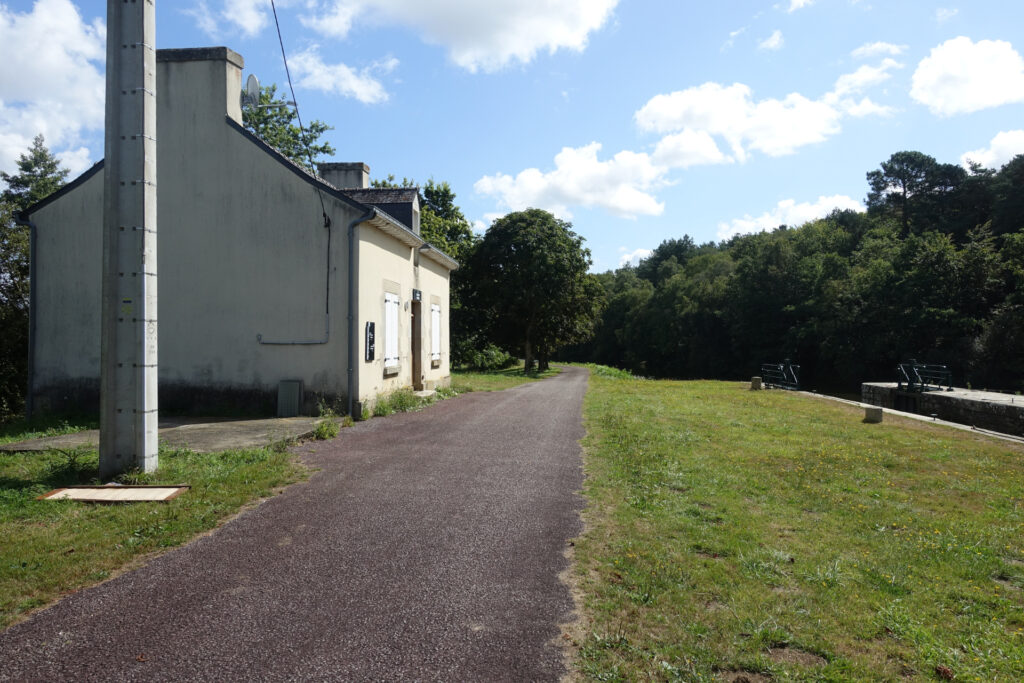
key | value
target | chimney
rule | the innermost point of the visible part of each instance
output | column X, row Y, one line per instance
column 350, row 175
column 191, row 83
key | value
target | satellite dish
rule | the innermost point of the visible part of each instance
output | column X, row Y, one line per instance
column 251, row 96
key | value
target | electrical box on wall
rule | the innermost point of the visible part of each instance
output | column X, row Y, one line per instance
column 370, row 344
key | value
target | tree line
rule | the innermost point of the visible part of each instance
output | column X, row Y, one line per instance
column 934, row 270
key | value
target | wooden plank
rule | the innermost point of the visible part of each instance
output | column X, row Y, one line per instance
column 115, row 494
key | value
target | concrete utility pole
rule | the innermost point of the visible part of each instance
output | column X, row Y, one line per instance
column 128, row 381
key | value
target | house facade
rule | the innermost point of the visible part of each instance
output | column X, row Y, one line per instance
column 267, row 274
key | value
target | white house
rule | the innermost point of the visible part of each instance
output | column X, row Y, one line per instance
column 256, row 293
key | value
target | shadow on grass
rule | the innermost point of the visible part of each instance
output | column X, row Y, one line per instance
column 53, row 469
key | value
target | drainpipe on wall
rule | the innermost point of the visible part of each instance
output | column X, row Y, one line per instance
column 20, row 219
column 352, row 306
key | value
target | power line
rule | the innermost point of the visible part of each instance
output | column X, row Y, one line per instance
column 295, row 101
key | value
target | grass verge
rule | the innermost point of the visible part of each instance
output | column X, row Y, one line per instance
column 735, row 534
column 496, row 380
column 22, row 430
column 51, row 548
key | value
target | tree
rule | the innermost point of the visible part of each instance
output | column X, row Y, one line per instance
column 39, row 175
column 529, row 275
column 923, row 193
column 275, row 123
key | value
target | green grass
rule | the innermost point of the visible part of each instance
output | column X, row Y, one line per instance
column 773, row 533
column 52, row 548
column 496, row 380
column 21, row 430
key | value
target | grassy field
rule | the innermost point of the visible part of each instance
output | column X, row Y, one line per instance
column 48, row 548
column 737, row 535
column 495, row 380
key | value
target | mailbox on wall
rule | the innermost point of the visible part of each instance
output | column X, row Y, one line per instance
column 370, row 344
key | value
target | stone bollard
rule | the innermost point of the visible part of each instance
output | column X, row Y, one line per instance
column 872, row 415
column 755, row 383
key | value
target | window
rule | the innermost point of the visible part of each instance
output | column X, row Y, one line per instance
column 435, row 333
column 391, row 330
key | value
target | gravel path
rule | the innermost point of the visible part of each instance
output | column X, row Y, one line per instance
column 427, row 547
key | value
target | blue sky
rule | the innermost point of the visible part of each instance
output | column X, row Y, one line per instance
column 636, row 120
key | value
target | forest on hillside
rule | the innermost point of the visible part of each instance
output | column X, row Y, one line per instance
column 934, row 270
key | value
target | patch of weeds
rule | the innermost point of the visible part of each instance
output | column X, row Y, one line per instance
column 446, row 392
column 767, row 566
column 327, row 428
column 347, row 422
column 828, row 575
column 73, row 466
column 399, row 401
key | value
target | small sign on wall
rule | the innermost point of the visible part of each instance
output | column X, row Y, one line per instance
column 417, row 295
column 371, row 338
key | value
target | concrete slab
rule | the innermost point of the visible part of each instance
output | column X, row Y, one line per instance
column 203, row 435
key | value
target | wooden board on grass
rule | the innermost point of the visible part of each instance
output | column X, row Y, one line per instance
column 115, row 494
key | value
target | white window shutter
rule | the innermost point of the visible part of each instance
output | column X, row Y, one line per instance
column 390, row 330
column 435, row 332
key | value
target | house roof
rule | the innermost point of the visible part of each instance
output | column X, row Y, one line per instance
column 380, row 220
column 383, row 195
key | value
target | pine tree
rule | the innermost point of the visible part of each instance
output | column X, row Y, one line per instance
column 39, row 175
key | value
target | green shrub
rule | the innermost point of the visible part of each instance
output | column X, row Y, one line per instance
column 490, row 357
column 326, row 429
column 399, row 401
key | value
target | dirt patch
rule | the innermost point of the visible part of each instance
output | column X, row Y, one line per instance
column 743, row 677
column 789, row 655
column 1006, row 583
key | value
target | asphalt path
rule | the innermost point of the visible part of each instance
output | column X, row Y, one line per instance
column 427, row 547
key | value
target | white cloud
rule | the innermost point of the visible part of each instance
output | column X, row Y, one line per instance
column 863, row 78
column 772, row 42
column 868, row 50
column 775, row 127
column 943, row 14
column 632, row 258
column 794, row 5
column 689, row 122
column 248, row 16
column 961, row 76
column 480, row 227
column 75, row 160
column 621, row 185
column 733, row 35
column 204, row 18
column 688, row 148
column 787, row 212
column 52, row 80
column 311, row 72
column 479, row 36
column 866, row 107
column 1004, row 147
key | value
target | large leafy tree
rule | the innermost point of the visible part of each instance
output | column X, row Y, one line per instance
column 529, row 275
column 39, row 174
column 276, row 123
